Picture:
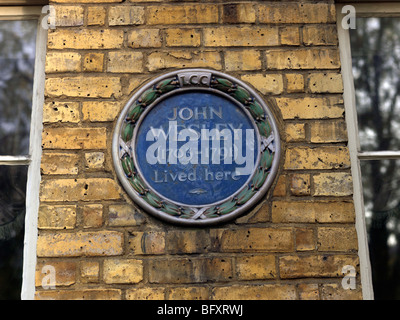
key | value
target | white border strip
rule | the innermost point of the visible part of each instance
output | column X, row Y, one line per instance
column 352, row 128
column 33, row 183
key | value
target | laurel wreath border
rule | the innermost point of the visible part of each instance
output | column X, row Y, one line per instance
column 241, row 95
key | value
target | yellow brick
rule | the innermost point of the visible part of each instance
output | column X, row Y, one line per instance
column 144, row 38
column 178, row 37
column 314, row 158
column 85, row 1
column 295, row 82
column 92, row 215
column 93, row 62
column 125, row 62
column 265, row 83
column 299, row 212
column 96, row 16
column 188, row 293
column 308, row 291
column 255, row 292
column 300, row 184
column 337, row 184
column 182, row 14
column 241, row 36
column 312, row 58
column 311, row 108
column 238, row 13
column 295, row 132
column 94, row 160
column 125, row 15
column 313, row 211
column 123, row 271
column 89, row 294
column 257, row 240
column 151, row 242
column 337, row 239
column 73, row 38
column 325, row 83
column 287, row 12
column 60, row 163
column 69, row 16
column 314, row 266
column 65, row 273
column 145, row 294
column 89, row 271
column 61, row 112
column 290, row 36
column 184, row 59
column 100, row 111
column 255, row 267
column 74, row 138
column 90, row 189
column 334, row 291
column 63, row 62
column 86, row 87
column 328, row 131
column 320, row 35
column 280, row 188
column 188, row 241
column 124, row 215
column 242, row 60
column 96, row 243
column 190, row 270
column 305, row 239
column 57, row 217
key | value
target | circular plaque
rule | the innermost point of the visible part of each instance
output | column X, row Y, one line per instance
column 196, row 147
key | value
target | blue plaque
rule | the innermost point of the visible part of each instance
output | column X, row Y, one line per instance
column 196, row 147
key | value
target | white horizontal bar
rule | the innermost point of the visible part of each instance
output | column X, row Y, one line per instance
column 14, row 160
column 379, row 155
column 14, row 13
column 378, row 9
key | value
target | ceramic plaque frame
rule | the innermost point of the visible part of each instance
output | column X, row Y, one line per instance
column 201, row 81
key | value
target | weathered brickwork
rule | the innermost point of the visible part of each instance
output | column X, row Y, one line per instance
column 292, row 245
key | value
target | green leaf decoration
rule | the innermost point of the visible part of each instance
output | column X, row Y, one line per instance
column 242, row 95
column 227, row 207
column 187, row 213
column 148, row 97
column 245, row 195
column 222, row 84
column 264, row 127
column 135, row 112
column 210, row 211
column 137, row 184
column 259, row 178
column 256, row 110
column 167, row 85
column 171, row 209
column 127, row 165
column 266, row 159
column 152, row 199
column 127, row 131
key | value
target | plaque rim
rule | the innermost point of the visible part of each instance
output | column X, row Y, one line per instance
column 195, row 221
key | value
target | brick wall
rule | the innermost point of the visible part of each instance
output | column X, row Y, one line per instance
column 293, row 245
